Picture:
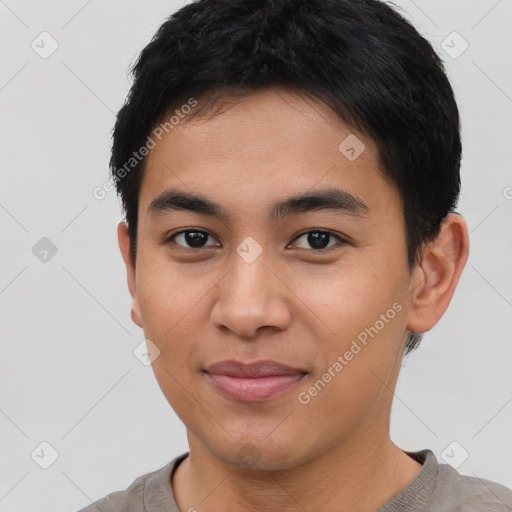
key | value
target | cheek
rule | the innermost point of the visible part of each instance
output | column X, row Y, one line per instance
column 169, row 297
column 170, row 314
column 358, row 364
column 354, row 298
column 366, row 315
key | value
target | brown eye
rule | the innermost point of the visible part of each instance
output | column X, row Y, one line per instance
column 319, row 239
column 191, row 239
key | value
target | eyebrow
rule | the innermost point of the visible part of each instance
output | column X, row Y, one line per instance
column 324, row 199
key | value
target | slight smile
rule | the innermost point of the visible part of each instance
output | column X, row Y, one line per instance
column 253, row 382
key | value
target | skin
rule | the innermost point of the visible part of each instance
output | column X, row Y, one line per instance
column 200, row 306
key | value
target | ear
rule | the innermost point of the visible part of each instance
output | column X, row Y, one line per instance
column 434, row 279
column 124, row 244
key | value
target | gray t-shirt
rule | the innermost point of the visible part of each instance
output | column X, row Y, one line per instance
column 436, row 488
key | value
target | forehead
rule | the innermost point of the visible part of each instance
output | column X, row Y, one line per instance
column 268, row 145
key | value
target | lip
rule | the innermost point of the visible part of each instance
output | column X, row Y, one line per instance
column 252, row 382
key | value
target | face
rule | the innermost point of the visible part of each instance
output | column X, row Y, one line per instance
column 321, row 286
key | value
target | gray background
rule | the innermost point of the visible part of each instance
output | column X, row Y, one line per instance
column 68, row 373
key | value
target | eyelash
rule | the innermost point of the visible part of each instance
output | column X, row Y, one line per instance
column 330, row 233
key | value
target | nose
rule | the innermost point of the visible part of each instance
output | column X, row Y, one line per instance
column 251, row 298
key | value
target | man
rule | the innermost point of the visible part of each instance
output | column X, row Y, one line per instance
column 288, row 172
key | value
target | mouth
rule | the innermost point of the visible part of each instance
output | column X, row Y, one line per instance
column 253, row 382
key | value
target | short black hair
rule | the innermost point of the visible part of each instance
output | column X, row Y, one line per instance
column 361, row 58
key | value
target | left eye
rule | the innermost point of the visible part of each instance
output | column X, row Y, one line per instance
column 318, row 239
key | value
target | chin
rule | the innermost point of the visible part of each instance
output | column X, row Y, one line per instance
column 253, row 456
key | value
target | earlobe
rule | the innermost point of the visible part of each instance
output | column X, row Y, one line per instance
column 436, row 276
column 123, row 237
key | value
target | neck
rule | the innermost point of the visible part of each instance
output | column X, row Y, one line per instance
column 345, row 478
